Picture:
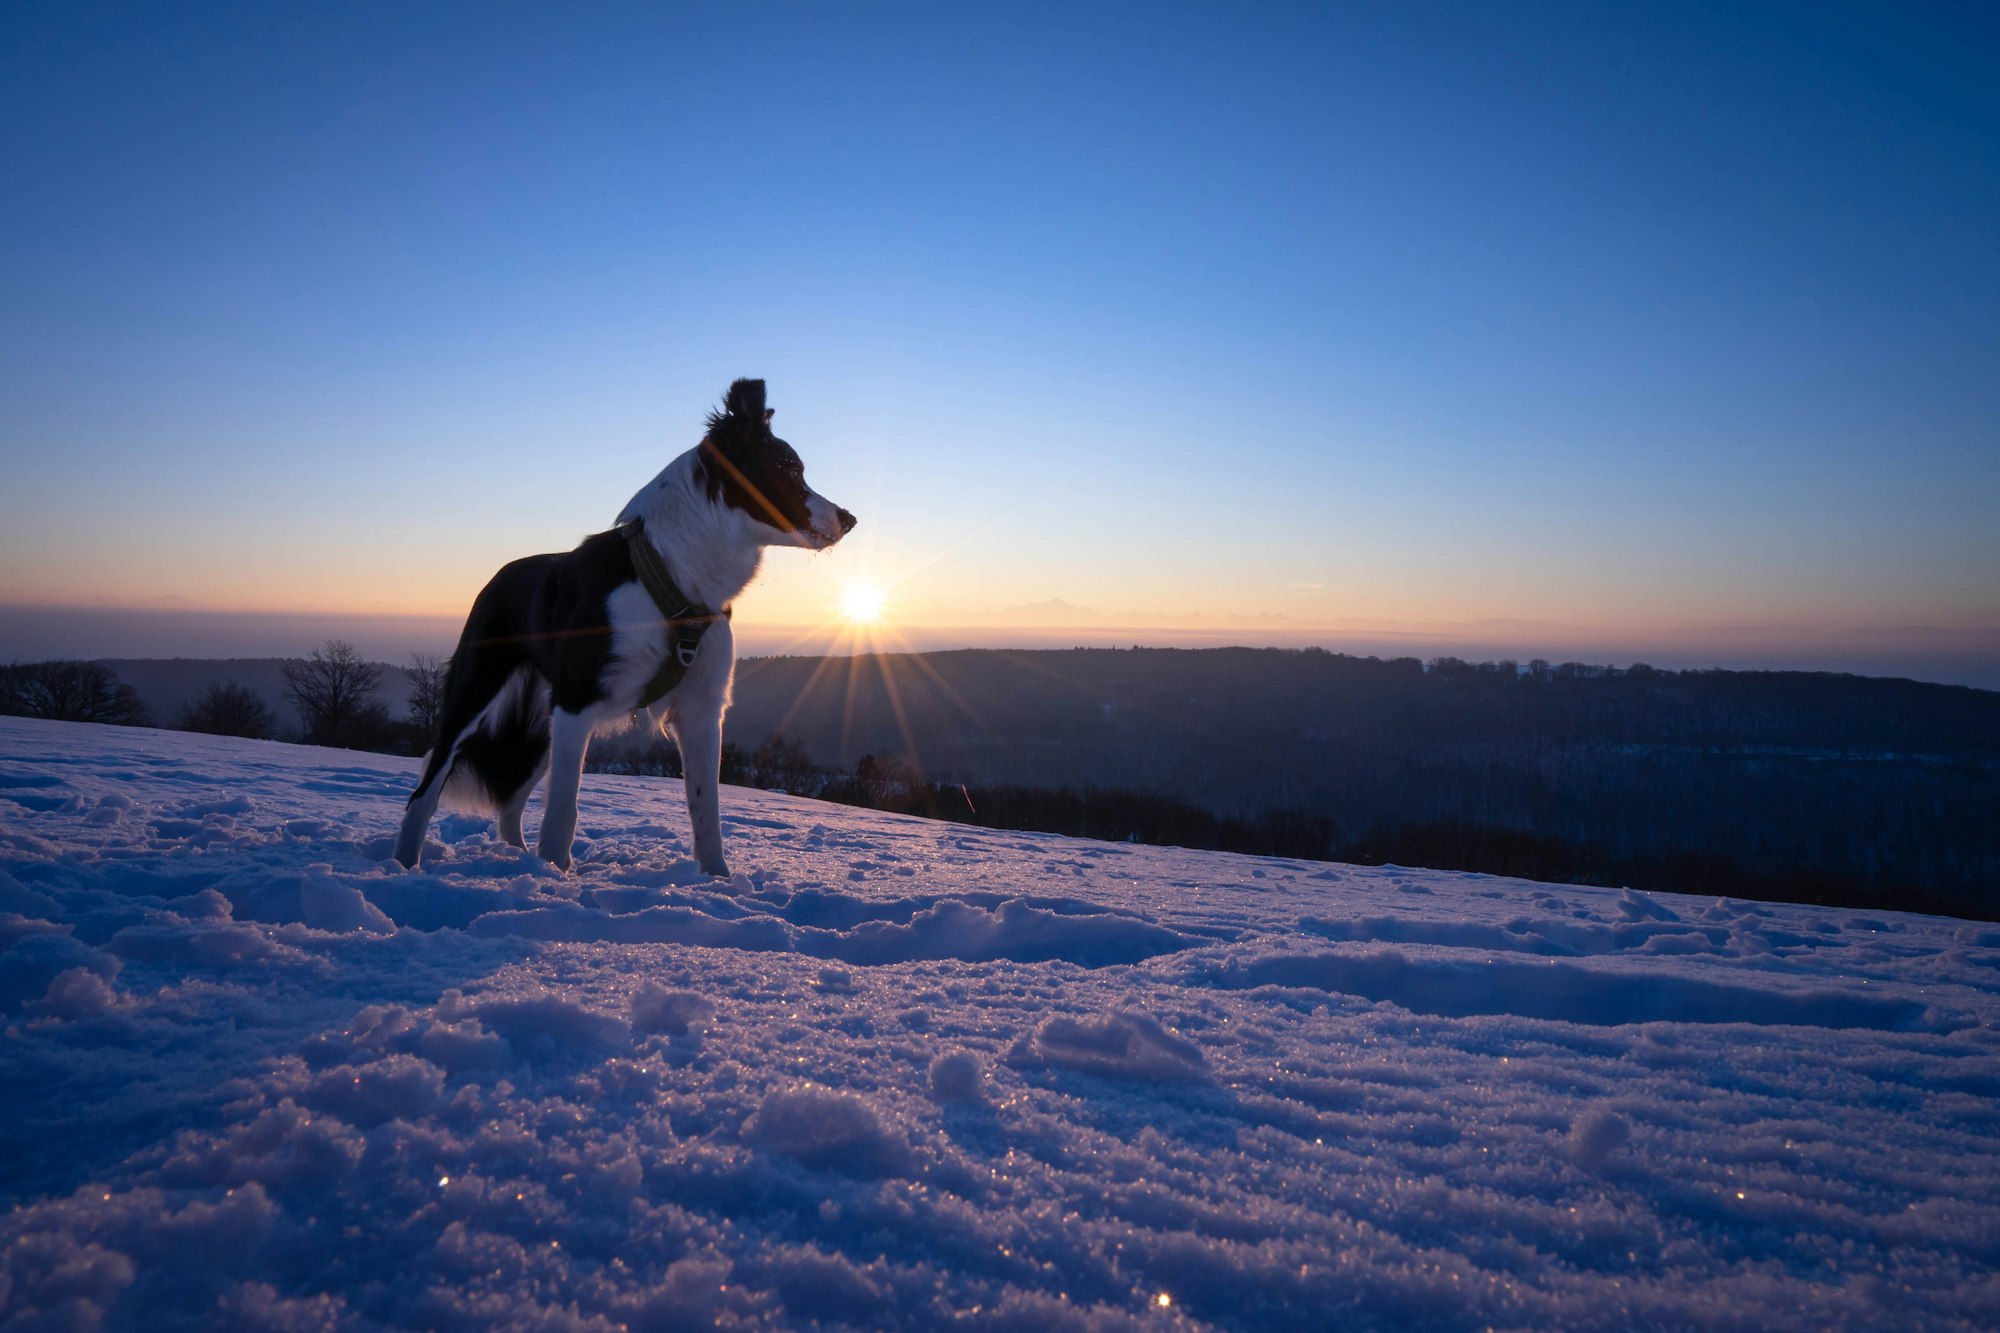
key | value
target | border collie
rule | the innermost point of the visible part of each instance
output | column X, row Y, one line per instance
column 560, row 647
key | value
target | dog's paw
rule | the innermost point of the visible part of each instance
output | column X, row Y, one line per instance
column 718, row 868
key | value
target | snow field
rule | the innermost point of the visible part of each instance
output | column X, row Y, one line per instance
column 902, row 1073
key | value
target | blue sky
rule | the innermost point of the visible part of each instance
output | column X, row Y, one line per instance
column 1596, row 314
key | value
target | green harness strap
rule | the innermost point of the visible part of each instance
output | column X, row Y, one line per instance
column 686, row 622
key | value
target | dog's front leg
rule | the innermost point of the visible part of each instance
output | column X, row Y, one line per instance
column 700, row 741
column 569, row 738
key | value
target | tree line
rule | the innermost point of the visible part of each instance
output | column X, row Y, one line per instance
column 64, row 690
column 335, row 691
column 1889, row 784
column 893, row 783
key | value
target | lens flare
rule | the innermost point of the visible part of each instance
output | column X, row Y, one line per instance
column 862, row 603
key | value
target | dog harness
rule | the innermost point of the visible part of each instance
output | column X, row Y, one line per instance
column 686, row 622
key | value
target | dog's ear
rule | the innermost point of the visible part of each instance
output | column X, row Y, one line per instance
column 746, row 401
column 743, row 414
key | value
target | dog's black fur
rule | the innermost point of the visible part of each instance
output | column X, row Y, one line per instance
column 544, row 612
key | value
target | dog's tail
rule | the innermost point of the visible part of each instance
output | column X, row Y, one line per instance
column 493, row 728
column 498, row 748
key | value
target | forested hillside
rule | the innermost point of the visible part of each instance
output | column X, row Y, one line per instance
column 1887, row 784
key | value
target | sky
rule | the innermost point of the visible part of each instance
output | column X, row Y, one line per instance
column 1642, row 320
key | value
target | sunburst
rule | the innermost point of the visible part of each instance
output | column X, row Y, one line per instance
column 863, row 604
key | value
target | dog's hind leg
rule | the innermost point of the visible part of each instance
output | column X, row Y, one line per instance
column 479, row 700
column 476, row 691
column 508, row 820
column 508, row 817
column 700, row 741
column 569, row 738
column 417, row 817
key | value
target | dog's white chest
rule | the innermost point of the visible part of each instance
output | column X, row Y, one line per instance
column 638, row 645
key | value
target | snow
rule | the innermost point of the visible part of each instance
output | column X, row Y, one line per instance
column 900, row 1073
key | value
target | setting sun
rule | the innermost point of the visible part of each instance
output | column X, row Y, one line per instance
column 862, row 603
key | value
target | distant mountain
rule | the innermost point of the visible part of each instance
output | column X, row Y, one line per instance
column 1055, row 611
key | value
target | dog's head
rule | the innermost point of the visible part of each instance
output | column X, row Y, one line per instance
column 757, row 474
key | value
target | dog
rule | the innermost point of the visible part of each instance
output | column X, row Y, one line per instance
column 560, row 647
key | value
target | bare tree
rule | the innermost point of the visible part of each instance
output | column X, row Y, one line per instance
column 226, row 708
column 334, row 691
column 65, row 690
column 426, row 672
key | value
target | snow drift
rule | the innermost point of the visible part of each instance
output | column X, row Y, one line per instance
column 902, row 1073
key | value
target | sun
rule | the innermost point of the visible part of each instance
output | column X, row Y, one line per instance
column 862, row 603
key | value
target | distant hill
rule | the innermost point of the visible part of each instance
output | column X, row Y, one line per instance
column 1889, row 784
column 1266, row 720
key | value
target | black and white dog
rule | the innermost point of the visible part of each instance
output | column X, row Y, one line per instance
column 560, row 646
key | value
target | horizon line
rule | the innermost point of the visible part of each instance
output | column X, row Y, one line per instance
column 1116, row 622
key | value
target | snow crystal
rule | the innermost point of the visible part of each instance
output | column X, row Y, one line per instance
column 463, row 1046
column 957, row 1077
column 821, row 1127
column 368, row 1094
column 77, row 993
column 59, row 1283
column 290, row 1149
column 328, row 904
column 1127, row 1045
column 818, row 1285
column 657, row 1009
column 14, row 928
column 690, row 1293
column 1595, row 1134
column 40, row 954
column 547, row 1021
